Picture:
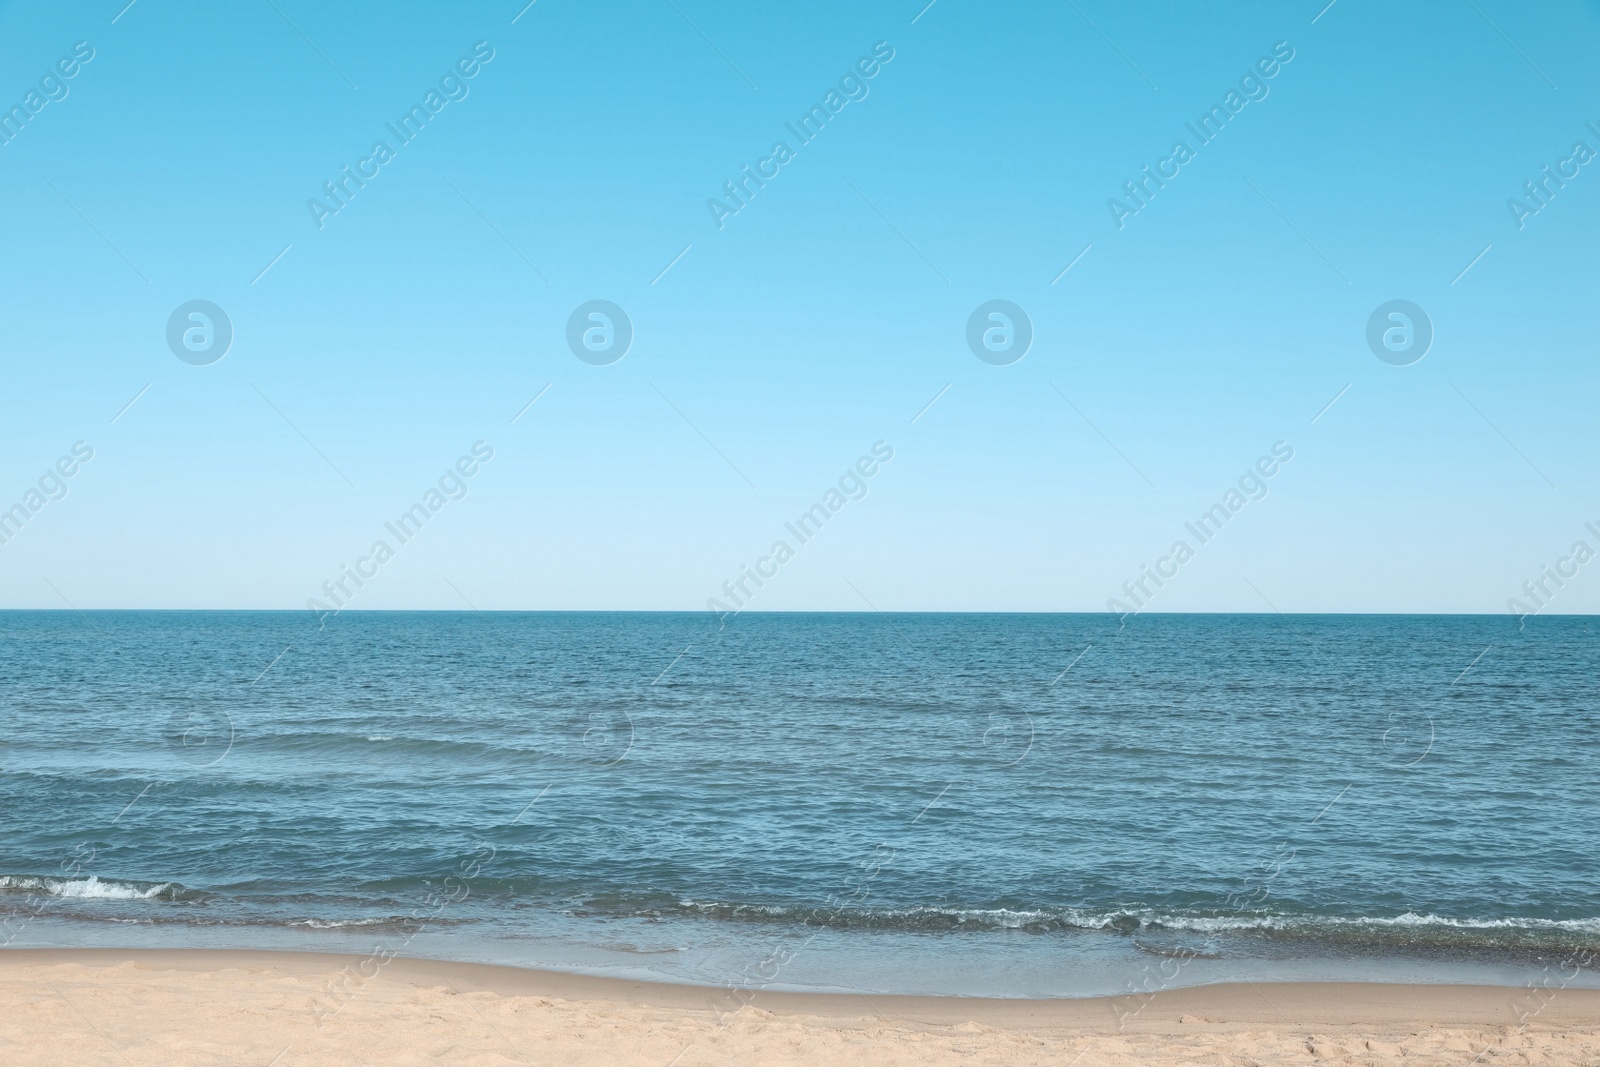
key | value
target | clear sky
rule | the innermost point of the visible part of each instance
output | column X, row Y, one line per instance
column 772, row 347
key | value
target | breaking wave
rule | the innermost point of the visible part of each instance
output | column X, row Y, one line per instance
column 94, row 888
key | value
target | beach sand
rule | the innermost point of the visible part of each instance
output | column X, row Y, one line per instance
column 292, row 1009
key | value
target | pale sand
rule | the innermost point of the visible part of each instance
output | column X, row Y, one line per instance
column 62, row 1007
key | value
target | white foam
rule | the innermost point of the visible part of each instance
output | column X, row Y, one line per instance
column 1007, row 918
column 90, row 888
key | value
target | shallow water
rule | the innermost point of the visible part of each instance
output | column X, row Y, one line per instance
column 1004, row 804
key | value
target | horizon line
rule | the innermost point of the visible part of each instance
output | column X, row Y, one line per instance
column 822, row 611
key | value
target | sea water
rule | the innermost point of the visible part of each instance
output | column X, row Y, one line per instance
column 1011, row 805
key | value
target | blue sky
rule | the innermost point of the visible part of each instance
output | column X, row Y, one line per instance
column 770, row 354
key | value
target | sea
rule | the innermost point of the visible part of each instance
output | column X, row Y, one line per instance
column 1025, row 805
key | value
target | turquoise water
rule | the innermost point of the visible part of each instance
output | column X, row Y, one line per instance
column 1005, row 804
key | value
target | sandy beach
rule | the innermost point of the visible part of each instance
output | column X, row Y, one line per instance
column 288, row 1009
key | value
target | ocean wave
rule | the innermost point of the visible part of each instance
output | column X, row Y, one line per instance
column 1193, row 929
column 1406, row 926
column 94, row 888
column 209, row 919
column 406, row 922
column 1407, row 920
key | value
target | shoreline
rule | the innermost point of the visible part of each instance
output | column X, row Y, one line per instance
column 1011, row 964
column 175, row 1006
column 1310, row 1001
